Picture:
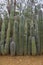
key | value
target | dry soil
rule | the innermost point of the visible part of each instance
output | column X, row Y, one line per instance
column 21, row 60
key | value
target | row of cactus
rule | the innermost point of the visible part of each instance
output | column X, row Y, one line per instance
column 20, row 36
column 24, row 39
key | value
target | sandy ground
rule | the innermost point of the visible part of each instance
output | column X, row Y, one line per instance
column 21, row 60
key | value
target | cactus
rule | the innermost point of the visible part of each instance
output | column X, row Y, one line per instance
column 29, row 45
column 2, row 37
column 0, row 43
column 21, row 35
column 9, row 31
column 28, row 37
column 6, row 21
column 3, row 33
column 7, row 39
column 25, row 38
column 25, row 45
column 0, row 32
column 12, row 48
column 0, row 22
column 0, row 49
column 33, row 46
column 11, row 19
column 16, row 35
column 37, row 38
column 40, row 30
column 36, row 34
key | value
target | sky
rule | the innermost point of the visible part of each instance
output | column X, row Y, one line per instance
column 5, row 2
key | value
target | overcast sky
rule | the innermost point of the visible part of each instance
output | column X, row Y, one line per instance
column 5, row 2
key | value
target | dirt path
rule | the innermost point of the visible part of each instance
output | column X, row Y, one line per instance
column 21, row 60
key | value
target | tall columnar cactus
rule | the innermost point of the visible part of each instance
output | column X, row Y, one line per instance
column 12, row 48
column 9, row 30
column 21, row 35
column 0, row 32
column 36, row 34
column 32, row 34
column 7, row 39
column 6, row 19
column 0, row 49
column 2, row 37
column 11, row 19
column 3, row 33
column 29, row 37
column 33, row 46
column 16, row 35
column 0, row 22
column 40, row 29
column 29, row 45
column 25, row 37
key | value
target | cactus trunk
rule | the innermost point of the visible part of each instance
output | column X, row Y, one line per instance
column 16, row 36
column 21, row 35
column 33, row 46
column 7, row 40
